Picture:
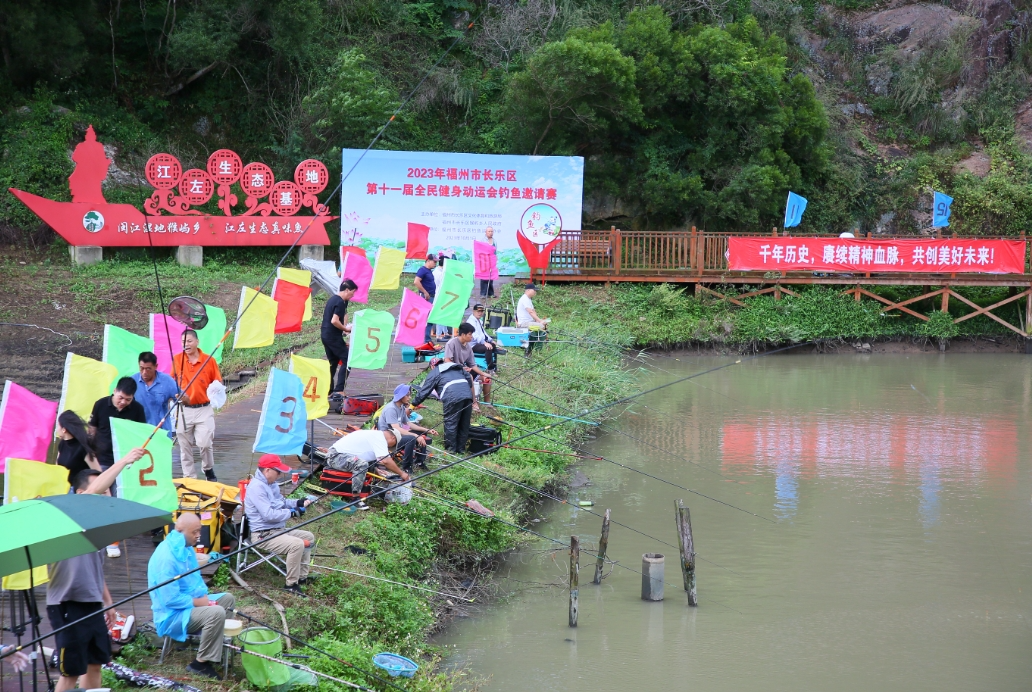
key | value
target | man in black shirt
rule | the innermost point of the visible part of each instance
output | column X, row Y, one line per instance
column 333, row 329
column 119, row 405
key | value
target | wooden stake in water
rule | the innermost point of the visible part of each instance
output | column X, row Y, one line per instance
column 687, row 547
column 602, row 543
column 574, row 578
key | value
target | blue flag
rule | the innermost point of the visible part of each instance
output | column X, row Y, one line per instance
column 281, row 429
column 794, row 208
column 941, row 210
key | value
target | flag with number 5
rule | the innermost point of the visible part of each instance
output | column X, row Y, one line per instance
column 149, row 479
column 370, row 339
column 281, row 428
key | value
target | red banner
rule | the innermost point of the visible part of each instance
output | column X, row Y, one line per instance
column 968, row 256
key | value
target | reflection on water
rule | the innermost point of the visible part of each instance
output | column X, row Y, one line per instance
column 898, row 557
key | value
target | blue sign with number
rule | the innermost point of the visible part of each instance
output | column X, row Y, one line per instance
column 941, row 210
column 794, row 208
column 281, row 429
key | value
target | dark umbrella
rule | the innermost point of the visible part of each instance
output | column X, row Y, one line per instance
column 51, row 529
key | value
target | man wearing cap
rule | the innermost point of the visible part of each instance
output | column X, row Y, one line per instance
column 359, row 450
column 526, row 316
column 413, row 437
column 455, row 390
column 483, row 345
column 267, row 513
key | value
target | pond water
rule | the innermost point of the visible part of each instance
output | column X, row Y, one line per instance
column 898, row 555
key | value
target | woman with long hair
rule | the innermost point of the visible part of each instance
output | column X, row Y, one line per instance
column 75, row 450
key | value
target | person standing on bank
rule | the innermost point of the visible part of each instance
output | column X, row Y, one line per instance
column 196, row 424
column 426, row 286
column 74, row 447
column 121, row 404
column 333, row 330
column 156, row 391
column 460, row 350
column 455, row 389
column 487, row 285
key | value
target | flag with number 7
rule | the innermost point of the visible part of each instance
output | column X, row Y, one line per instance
column 315, row 377
column 453, row 294
column 370, row 339
column 149, row 479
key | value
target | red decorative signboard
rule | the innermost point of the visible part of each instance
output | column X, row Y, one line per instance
column 962, row 256
column 169, row 218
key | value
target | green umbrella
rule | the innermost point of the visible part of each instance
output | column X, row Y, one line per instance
column 51, row 529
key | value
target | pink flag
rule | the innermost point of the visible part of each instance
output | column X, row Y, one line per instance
column 162, row 330
column 412, row 319
column 357, row 268
column 485, row 261
column 26, row 424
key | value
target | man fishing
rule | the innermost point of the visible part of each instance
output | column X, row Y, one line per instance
column 455, row 390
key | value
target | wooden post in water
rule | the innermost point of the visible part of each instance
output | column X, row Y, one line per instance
column 687, row 547
column 602, row 543
column 574, row 578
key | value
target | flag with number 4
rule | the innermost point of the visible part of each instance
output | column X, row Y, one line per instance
column 281, row 429
column 149, row 479
column 453, row 294
column 370, row 339
column 315, row 376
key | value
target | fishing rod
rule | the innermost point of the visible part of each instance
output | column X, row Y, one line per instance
column 389, row 581
column 540, row 413
column 382, row 491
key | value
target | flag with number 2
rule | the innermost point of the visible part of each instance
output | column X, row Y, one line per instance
column 149, row 479
column 370, row 339
column 281, row 428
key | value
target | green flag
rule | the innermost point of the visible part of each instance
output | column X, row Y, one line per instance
column 370, row 339
column 122, row 349
column 453, row 294
column 149, row 480
column 209, row 337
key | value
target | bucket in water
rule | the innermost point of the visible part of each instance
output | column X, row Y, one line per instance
column 396, row 665
column 260, row 672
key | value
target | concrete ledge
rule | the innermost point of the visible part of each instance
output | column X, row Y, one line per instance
column 312, row 252
column 86, row 254
column 190, row 255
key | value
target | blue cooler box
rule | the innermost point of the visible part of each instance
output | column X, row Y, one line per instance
column 512, row 336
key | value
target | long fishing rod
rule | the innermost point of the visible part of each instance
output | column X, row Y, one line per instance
column 382, row 491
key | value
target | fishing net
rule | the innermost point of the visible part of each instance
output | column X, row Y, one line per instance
column 189, row 311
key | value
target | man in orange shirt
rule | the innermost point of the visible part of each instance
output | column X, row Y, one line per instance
column 195, row 426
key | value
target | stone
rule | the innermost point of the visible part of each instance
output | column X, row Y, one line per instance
column 312, row 252
column 86, row 254
column 190, row 255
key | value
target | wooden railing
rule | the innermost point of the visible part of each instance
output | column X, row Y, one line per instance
column 617, row 253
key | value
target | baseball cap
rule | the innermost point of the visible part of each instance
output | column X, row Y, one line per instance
column 531, row 286
column 271, row 461
column 479, row 306
column 401, row 391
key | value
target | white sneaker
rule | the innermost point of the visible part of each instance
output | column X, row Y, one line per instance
column 361, row 506
column 114, row 551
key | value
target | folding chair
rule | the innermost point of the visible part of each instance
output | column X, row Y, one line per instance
column 243, row 562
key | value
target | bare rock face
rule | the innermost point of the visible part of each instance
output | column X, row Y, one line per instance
column 909, row 27
column 990, row 43
column 1023, row 124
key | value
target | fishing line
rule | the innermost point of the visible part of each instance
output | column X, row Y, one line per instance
column 411, row 481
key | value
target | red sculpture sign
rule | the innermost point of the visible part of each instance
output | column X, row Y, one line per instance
column 168, row 217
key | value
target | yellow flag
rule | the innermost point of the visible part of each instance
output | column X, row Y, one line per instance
column 257, row 327
column 85, row 381
column 387, row 272
column 315, row 376
column 300, row 277
column 27, row 480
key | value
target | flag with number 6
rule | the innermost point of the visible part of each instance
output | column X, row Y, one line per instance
column 315, row 376
column 148, row 480
column 370, row 339
column 412, row 317
column 453, row 294
column 281, row 428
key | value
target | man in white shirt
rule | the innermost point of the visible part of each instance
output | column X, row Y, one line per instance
column 483, row 345
column 357, row 451
column 526, row 316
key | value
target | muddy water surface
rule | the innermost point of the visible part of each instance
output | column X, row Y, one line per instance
column 897, row 555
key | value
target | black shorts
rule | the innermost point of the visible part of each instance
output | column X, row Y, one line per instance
column 84, row 644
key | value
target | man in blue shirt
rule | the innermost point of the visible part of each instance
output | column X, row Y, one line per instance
column 426, row 285
column 155, row 391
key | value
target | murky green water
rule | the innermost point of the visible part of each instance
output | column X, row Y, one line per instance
column 900, row 557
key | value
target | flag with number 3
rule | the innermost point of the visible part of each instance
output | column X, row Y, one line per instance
column 281, row 428
column 149, row 479
column 315, row 376
column 370, row 339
